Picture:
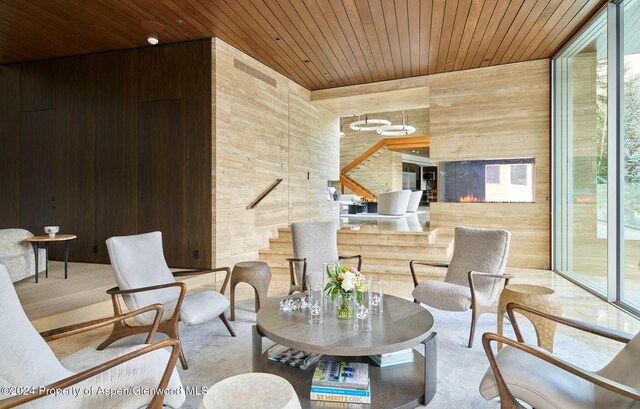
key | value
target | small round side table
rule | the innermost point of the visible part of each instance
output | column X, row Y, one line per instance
column 255, row 273
column 251, row 391
column 35, row 242
column 540, row 298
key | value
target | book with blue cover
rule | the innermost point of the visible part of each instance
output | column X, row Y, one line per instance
column 350, row 375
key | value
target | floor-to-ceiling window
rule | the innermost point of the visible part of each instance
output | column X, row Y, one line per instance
column 581, row 165
column 597, row 155
column 630, row 288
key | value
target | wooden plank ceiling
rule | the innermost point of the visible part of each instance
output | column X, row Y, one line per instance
column 316, row 43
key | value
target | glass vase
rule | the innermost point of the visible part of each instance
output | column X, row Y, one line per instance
column 362, row 309
column 345, row 310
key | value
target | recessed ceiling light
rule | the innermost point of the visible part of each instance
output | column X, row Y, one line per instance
column 277, row 38
column 152, row 40
column 180, row 21
column 306, row 61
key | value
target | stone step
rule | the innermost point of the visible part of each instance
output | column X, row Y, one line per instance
column 373, row 237
column 395, row 272
column 373, row 264
column 439, row 250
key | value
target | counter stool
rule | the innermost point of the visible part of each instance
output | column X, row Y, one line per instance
column 255, row 273
column 251, row 391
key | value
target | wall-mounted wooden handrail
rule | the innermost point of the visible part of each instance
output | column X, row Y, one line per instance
column 390, row 143
column 264, row 194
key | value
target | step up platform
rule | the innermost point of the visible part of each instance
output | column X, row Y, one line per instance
column 383, row 252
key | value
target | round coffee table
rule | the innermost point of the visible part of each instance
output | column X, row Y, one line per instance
column 403, row 324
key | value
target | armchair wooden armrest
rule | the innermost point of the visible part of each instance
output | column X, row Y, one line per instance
column 207, row 271
column 358, row 256
column 412, row 263
column 609, row 333
column 474, row 274
column 507, row 400
column 86, row 326
column 292, row 272
column 156, row 401
column 115, row 291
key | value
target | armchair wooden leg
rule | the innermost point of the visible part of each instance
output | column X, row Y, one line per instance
column 474, row 320
column 172, row 332
column 226, row 324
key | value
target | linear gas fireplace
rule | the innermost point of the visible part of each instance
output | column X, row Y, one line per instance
column 482, row 181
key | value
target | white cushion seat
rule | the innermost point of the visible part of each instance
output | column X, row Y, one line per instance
column 550, row 387
column 200, row 307
column 445, row 296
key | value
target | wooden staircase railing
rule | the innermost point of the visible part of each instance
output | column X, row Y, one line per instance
column 389, row 143
column 356, row 188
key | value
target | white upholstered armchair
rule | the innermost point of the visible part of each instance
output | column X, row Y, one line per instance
column 474, row 277
column 144, row 278
column 525, row 373
column 313, row 245
column 17, row 255
column 28, row 363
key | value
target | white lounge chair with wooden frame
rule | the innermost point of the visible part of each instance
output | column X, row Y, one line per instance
column 314, row 243
column 526, row 373
column 28, row 363
column 144, row 278
column 474, row 275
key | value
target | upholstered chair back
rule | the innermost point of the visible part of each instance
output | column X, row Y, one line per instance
column 623, row 368
column 318, row 243
column 25, row 358
column 138, row 261
column 482, row 250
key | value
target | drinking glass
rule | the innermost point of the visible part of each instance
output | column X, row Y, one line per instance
column 377, row 296
column 315, row 292
column 363, row 309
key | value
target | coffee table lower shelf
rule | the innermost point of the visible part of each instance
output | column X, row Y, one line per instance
column 393, row 387
column 400, row 387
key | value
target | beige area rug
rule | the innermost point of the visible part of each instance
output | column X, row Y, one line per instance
column 213, row 355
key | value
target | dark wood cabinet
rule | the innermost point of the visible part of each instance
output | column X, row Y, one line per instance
column 116, row 148
column 38, row 170
column 75, row 199
column 112, row 144
column 161, row 175
column 10, row 146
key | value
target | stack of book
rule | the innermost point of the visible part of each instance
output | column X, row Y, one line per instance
column 341, row 382
column 293, row 357
column 394, row 358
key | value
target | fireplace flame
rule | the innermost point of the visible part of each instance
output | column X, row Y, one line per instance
column 468, row 199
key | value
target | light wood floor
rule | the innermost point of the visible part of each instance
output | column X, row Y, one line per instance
column 87, row 283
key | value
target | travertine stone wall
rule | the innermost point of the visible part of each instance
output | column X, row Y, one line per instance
column 384, row 172
column 265, row 128
column 489, row 113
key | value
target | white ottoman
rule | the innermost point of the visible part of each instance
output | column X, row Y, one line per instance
column 249, row 391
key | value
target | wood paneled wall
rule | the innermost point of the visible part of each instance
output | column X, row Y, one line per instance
column 111, row 144
column 266, row 128
column 489, row 113
column 384, row 172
